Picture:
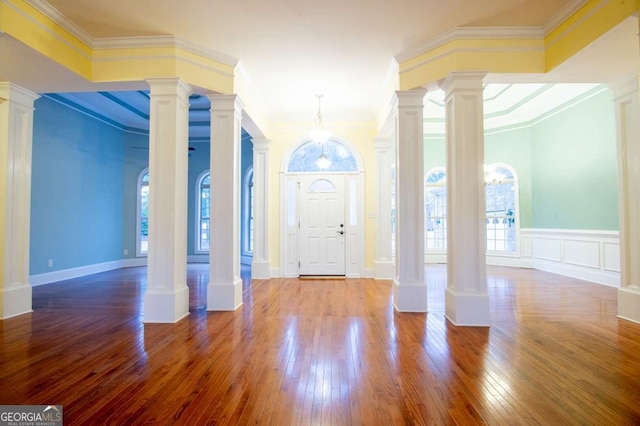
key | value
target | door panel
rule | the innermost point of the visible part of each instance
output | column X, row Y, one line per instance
column 322, row 248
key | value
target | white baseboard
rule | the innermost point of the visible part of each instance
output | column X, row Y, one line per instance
column 611, row 279
column 135, row 262
column 512, row 262
column 67, row 274
column 275, row 273
column 198, row 258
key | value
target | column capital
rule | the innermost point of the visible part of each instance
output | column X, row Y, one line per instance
column 13, row 92
column 169, row 86
column 630, row 86
column 221, row 102
column 463, row 81
column 410, row 98
column 261, row 144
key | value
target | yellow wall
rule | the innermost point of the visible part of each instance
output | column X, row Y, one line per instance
column 285, row 136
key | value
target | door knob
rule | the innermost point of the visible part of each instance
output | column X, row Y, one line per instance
column 340, row 232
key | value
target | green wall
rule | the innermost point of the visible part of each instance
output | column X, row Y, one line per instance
column 575, row 168
column 566, row 166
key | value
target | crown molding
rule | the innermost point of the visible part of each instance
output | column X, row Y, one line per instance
column 474, row 33
column 162, row 41
column 56, row 16
column 569, row 9
column 471, row 33
column 127, row 42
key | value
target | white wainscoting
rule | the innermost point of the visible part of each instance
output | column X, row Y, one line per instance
column 587, row 255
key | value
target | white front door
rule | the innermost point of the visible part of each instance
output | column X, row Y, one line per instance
column 322, row 225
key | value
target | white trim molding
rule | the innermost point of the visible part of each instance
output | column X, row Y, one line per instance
column 584, row 254
column 80, row 271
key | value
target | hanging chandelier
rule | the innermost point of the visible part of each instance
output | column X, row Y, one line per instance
column 318, row 134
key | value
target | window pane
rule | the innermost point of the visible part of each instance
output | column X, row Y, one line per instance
column 143, row 219
column 204, row 212
column 305, row 157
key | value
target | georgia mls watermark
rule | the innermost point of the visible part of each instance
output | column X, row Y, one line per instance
column 30, row 415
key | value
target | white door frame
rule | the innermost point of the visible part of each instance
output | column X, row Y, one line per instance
column 354, row 216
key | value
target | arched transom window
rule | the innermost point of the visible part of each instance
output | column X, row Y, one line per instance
column 329, row 156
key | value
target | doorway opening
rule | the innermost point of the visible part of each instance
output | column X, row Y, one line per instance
column 322, row 205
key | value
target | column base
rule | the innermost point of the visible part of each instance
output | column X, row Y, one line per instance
column 15, row 301
column 384, row 270
column 224, row 297
column 629, row 304
column 260, row 270
column 409, row 297
column 464, row 309
column 166, row 306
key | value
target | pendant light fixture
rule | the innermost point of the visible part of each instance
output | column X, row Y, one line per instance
column 318, row 134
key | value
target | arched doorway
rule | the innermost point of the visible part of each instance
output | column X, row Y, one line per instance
column 322, row 205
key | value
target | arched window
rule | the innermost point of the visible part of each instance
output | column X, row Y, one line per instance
column 329, row 156
column 435, row 210
column 247, row 214
column 142, row 213
column 203, row 207
column 501, row 194
column 501, row 197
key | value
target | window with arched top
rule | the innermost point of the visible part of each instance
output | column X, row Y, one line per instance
column 203, row 207
column 501, row 193
column 142, row 213
column 435, row 210
column 328, row 156
column 247, row 214
column 501, row 200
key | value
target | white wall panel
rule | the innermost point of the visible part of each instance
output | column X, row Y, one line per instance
column 547, row 248
column 582, row 253
column 611, row 256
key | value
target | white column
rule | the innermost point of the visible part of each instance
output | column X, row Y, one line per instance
column 384, row 257
column 260, row 266
column 167, row 295
column 16, row 135
column 627, row 103
column 224, row 292
column 410, row 289
column 466, row 298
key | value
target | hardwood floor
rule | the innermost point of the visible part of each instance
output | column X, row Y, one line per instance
column 325, row 352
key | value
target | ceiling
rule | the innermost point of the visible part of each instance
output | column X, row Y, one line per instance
column 293, row 49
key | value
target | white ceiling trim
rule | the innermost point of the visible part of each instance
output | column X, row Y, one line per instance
column 470, row 33
column 578, row 22
column 564, row 14
column 117, row 42
column 476, row 50
column 161, row 41
column 56, row 16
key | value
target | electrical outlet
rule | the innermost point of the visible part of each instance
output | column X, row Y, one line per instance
column 50, row 263
column 126, row 252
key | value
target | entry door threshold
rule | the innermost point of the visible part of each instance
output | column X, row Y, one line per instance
column 321, row 277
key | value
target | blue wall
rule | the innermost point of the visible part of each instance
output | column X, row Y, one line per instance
column 76, row 193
